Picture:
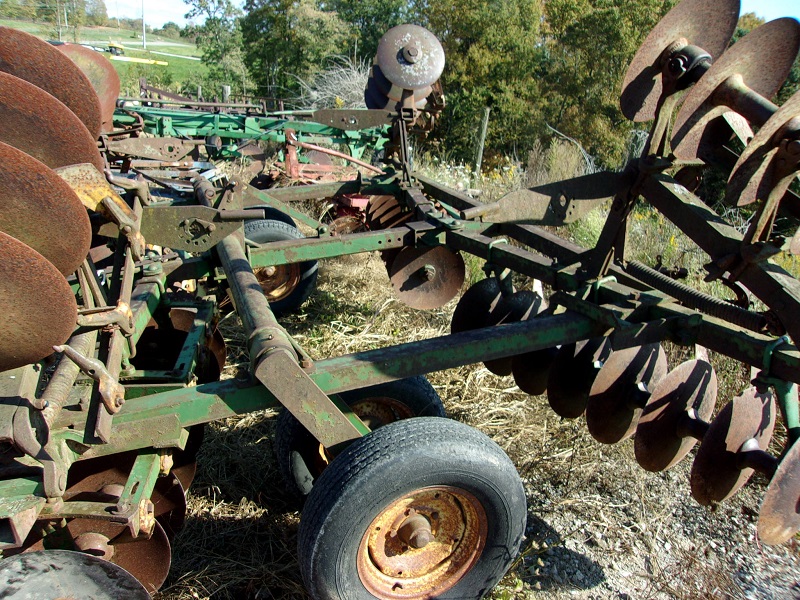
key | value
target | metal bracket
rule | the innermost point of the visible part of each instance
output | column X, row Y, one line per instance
column 121, row 315
column 111, row 392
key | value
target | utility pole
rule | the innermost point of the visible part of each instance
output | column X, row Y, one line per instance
column 144, row 32
column 58, row 19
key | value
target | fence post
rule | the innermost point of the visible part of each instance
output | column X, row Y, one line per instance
column 481, row 142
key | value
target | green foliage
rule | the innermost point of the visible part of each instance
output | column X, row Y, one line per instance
column 18, row 9
column 96, row 13
column 288, row 39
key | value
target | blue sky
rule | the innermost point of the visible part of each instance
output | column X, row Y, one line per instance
column 158, row 12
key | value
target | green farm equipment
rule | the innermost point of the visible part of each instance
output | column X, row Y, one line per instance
column 118, row 257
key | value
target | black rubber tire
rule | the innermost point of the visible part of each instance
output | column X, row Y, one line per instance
column 386, row 465
column 272, row 214
column 263, row 231
column 295, row 447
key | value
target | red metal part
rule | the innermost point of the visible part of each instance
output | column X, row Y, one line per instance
column 42, row 126
column 39, row 209
column 101, row 74
column 40, row 308
column 27, row 57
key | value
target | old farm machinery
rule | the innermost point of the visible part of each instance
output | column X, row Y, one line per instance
column 110, row 361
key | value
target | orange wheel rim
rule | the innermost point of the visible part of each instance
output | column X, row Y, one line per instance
column 278, row 282
column 422, row 544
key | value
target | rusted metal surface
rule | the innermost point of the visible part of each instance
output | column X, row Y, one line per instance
column 743, row 79
column 410, row 57
column 620, row 390
column 73, row 574
column 754, row 177
column 101, row 74
column 717, row 471
column 519, row 306
column 532, row 369
column 779, row 517
column 42, row 126
column 39, row 209
column 37, row 62
column 708, row 25
column 475, row 306
column 422, row 544
column 162, row 149
column 41, row 309
column 688, row 392
column 426, row 278
column 572, row 374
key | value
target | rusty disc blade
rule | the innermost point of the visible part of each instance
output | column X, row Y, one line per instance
column 147, row 559
column 410, row 57
column 751, row 178
column 40, row 310
column 27, row 57
column 373, row 98
column 101, row 74
column 717, row 472
column 427, row 278
column 532, row 369
column 659, row 444
column 67, row 574
column 762, row 59
column 41, row 125
column 39, row 209
column 708, row 25
column 779, row 517
column 184, row 462
column 519, row 306
column 620, row 390
column 572, row 373
column 475, row 306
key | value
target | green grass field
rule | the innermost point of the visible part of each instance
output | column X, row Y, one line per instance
column 183, row 64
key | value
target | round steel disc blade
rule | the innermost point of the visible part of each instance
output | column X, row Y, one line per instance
column 184, row 462
column 40, row 310
column 658, row 443
column 67, row 574
column 382, row 84
column 27, row 57
column 708, row 25
column 717, row 473
column 147, row 559
column 763, row 59
column 620, row 390
column 373, row 98
column 42, row 126
column 474, row 307
column 427, row 278
column 779, row 517
column 90, row 477
column 519, row 306
column 410, row 57
column 572, row 374
column 531, row 370
column 38, row 208
column 385, row 212
column 101, row 74
column 750, row 180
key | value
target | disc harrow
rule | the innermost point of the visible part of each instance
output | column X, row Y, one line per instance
column 120, row 253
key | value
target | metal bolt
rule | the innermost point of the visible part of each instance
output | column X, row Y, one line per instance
column 411, row 53
column 416, row 531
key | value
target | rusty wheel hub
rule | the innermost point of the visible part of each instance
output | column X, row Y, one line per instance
column 278, row 282
column 422, row 544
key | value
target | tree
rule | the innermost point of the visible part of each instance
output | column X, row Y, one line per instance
column 369, row 20
column 96, row 13
column 287, row 39
column 219, row 39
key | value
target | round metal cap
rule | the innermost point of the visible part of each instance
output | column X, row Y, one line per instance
column 779, row 517
column 572, row 374
column 427, row 278
column 40, row 310
column 39, row 209
column 67, row 574
column 658, row 444
column 620, row 389
column 42, row 126
column 762, row 59
column 27, row 57
column 101, row 74
column 708, row 25
column 410, row 57
column 717, row 472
